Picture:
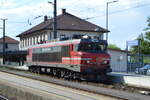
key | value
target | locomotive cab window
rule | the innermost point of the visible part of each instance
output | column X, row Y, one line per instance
column 91, row 47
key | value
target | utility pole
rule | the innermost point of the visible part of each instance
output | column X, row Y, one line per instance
column 107, row 5
column 107, row 20
column 4, row 20
column 55, row 19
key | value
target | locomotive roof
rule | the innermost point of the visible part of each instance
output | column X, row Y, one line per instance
column 74, row 41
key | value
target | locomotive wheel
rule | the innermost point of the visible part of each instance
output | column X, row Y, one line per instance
column 54, row 72
column 101, row 78
column 38, row 70
column 58, row 73
column 78, row 76
column 31, row 69
column 62, row 73
column 51, row 71
column 66, row 76
column 72, row 75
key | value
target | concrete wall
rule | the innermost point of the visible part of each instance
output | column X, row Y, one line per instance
column 118, row 60
column 14, row 93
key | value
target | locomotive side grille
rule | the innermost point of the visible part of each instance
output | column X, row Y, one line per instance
column 49, row 56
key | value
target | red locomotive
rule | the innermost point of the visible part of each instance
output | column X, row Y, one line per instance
column 71, row 58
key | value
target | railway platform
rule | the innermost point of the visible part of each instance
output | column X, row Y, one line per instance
column 131, row 79
column 21, row 88
column 24, row 67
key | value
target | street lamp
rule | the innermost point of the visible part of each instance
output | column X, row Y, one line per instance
column 55, row 17
column 51, row 2
column 107, row 16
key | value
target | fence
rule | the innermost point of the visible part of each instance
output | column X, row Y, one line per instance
column 136, row 61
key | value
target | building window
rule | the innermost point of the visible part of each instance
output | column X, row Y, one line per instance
column 28, row 42
column 25, row 42
column 21, row 43
column 31, row 41
column 62, row 36
column 37, row 40
column 96, row 37
column 41, row 38
column 44, row 37
column 34, row 40
column 6, row 45
column 50, row 36
column 77, row 36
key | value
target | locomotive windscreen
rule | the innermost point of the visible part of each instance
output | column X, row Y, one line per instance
column 91, row 47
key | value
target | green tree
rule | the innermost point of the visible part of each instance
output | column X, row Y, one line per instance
column 113, row 46
column 145, row 41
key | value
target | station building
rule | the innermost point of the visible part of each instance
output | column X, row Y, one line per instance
column 10, row 46
column 69, row 26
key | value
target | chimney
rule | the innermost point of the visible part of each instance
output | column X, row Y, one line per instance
column 45, row 18
column 63, row 11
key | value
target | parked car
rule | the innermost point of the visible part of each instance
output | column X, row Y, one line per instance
column 148, row 72
column 143, row 70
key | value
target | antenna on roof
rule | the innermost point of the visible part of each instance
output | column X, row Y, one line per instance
column 29, row 22
column 38, row 17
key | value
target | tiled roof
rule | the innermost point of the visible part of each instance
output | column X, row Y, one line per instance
column 66, row 22
column 9, row 40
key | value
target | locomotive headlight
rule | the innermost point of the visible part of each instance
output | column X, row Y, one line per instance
column 105, row 62
column 88, row 62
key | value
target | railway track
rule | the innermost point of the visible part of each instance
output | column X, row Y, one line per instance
column 3, row 98
column 86, row 86
column 48, row 90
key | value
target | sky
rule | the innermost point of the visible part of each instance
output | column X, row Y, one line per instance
column 127, row 18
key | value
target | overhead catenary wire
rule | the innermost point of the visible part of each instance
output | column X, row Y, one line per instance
column 138, row 6
column 119, row 11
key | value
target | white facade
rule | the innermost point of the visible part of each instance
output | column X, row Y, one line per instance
column 29, row 40
column 118, row 61
column 9, row 47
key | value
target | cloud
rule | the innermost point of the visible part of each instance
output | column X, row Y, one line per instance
column 4, row 4
column 70, row 3
column 131, row 3
column 27, row 10
column 82, row 7
column 22, row 10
